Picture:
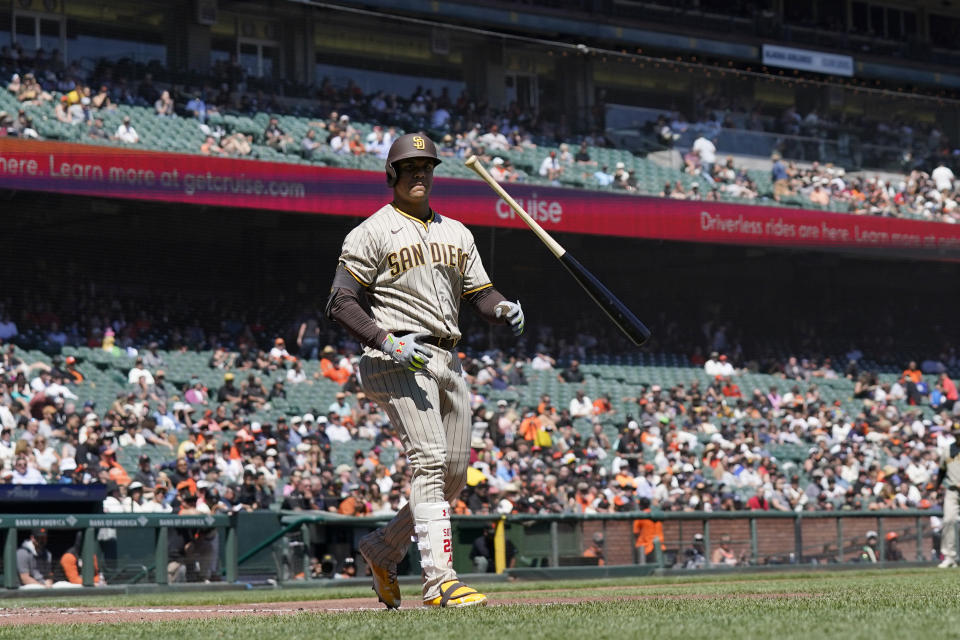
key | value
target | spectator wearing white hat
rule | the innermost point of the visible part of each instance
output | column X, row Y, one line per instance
column 133, row 501
column 126, row 133
column 306, row 423
column 497, row 170
column 869, row 551
column 67, row 467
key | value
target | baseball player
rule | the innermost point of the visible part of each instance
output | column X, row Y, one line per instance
column 413, row 266
column 950, row 470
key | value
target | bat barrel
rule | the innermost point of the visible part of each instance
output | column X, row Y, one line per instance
column 626, row 320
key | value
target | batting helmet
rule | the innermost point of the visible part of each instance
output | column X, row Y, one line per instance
column 411, row 145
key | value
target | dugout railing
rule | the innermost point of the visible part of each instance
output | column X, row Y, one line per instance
column 756, row 538
column 153, row 530
column 295, row 541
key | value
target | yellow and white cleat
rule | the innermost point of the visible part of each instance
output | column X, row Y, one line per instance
column 456, row 594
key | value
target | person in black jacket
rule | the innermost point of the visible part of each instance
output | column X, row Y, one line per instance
column 482, row 552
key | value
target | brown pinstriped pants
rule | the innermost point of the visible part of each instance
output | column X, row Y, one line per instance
column 431, row 412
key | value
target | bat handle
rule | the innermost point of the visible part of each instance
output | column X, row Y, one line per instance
column 474, row 163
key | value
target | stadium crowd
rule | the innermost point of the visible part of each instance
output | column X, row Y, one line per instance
column 465, row 125
column 683, row 447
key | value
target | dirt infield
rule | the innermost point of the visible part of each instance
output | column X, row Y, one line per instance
column 92, row 615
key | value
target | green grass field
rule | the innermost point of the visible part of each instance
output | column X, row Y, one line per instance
column 921, row 603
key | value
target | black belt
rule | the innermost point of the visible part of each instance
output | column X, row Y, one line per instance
column 443, row 343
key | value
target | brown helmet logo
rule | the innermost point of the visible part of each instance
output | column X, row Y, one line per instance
column 419, row 143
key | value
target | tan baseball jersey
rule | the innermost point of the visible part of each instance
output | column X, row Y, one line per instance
column 415, row 272
column 950, row 461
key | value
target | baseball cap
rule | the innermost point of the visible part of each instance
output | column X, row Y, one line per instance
column 498, row 161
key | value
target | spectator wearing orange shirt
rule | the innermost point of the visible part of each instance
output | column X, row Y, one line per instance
column 583, row 497
column 730, row 389
column 913, row 373
column 72, row 564
column 329, row 370
column 546, row 407
column 646, row 531
column 108, row 461
column 353, row 504
column 529, row 427
column 357, row 146
column 73, row 375
column 595, row 550
column 914, row 378
column 602, row 405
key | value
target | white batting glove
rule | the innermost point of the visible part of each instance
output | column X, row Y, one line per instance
column 513, row 313
column 407, row 351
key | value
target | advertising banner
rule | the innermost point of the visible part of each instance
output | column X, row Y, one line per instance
column 228, row 182
column 806, row 60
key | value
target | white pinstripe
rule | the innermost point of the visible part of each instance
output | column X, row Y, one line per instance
column 423, row 298
column 430, row 408
column 432, row 414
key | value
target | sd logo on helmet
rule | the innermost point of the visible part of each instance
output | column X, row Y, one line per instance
column 411, row 145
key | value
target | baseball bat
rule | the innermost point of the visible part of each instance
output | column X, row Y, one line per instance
column 626, row 321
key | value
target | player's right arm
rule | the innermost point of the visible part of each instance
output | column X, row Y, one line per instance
column 344, row 306
column 355, row 274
